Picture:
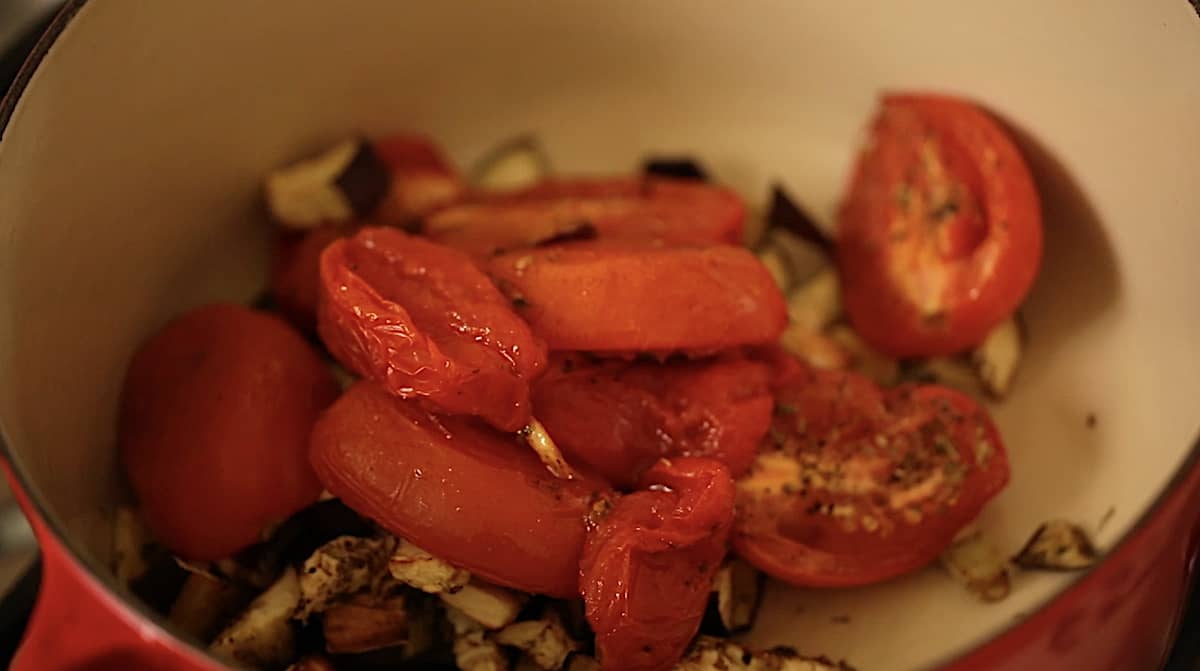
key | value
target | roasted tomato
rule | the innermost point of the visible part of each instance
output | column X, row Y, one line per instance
column 213, row 435
column 426, row 323
column 296, row 274
column 940, row 235
column 859, row 485
column 623, row 297
column 668, row 210
column 648, row 566
column 618, row 417
column 422, row 178
column 466, row 493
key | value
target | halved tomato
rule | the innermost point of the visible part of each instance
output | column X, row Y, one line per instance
column 626, row 297
column 669, row 210
column 473, row 496
column 939, row 238
column 648, row 566
column 296, row 273
column 619, row 417
column 858, row 485
column 426, row 323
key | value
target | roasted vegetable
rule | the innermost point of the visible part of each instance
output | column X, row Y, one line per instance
column 417, row 568
column 345, row 182
column 714, row 654
column 787, row 215
column 881, row 368
column 816, row 303
column 737, row 590
column 132, row 545
column 541, row 442
column 1058, row 546
column 204, row 604
column 474, row 650
column 364, row 623
column 996, row 358
column 543, row 641
column 513, row 164
column 678, row 167
column 262, row 636
column 340, row 568
column 978, row 565
column 312, row 664
column 489, row 605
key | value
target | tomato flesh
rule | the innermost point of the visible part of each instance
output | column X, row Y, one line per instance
column 617, row 297
column 420, row 318
column 618, row 417
column 648, row 566
column 668, row 210
column 474, row 497
column 213, row 432
column 940, row 235
column 858, row 485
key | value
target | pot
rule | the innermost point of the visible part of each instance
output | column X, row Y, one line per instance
column 135, row 139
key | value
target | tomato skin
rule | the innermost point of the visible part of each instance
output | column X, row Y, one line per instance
column 673, row 211
column 296, row 274
column 621, row 298
column 213, row 432
column 940, row 235
column 423, row 180
column 466, row 493
column 648, row 566
column 863, row 485
column 422, row 320
column 618, row 418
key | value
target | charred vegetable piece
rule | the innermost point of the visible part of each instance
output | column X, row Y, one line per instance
column 262, row 636
column 417, row 568
column 544, row 641
column 312, row 664
column 340, row 568
column 678, row 167
column 882, row 369
column 133, row 545
column 1058, row 546
column 737, row 590
column 491, row 606
column 978, row 565
column 516, row 163
column 345, row 182
column 996, row 358
column 814, row 348
column 203, row 604
column 474, row 650
column 787, row 214
column 816, row 303
column 711, row 654
column 582, row 663
column 952, row 372
column 365, row 623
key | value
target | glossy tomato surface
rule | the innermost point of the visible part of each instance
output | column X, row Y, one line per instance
column 648, row 566
column 421, row 319
column 213, row 434
column 624, row 298
column 475, row 497
column 860, row 485
column 939, row 237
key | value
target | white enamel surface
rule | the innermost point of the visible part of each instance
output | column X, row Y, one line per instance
column 129, row 177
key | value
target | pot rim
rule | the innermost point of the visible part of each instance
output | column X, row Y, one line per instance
column 134, row 606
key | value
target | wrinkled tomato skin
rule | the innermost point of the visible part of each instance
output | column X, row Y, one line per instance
column 296, row 274
column 939, row 237
column 624, row 298
column 421, row 319
column 862, row 485
column 215, row 415
column 672, row 211
column 477, row 498
column 423, row 179
column 648, row 566
column 618, row 417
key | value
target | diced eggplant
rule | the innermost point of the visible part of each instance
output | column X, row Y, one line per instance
column 579, row 662
column 262, row 636
column 543, row 641
column 814, row 348
column 978, row 565
column 133, row 546
column 737, row 590
column 417, row 568
column 546, row 449
column 513, row 164
column 1058, row 545
column 474, row 649
column 492, row 606
column 802, row 258
column 364, row 623
column 312, row 664
column 772, row 259
column 881, row 368
column 996, row 358
column 953, row 372
column 715, row 654
column 679, row 167
column 204, row 604
column 787, row 214
column 817, row 303
column 347, row 181
column 341, row 568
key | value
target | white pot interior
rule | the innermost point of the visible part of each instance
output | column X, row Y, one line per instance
column 129, row 179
